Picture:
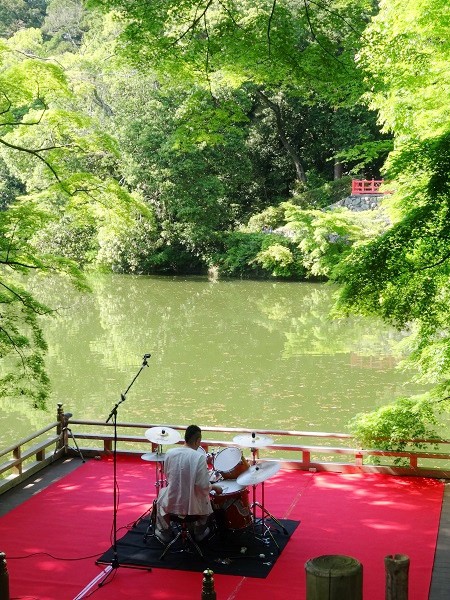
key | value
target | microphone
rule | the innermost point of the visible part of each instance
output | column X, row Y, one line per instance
column 147, row 355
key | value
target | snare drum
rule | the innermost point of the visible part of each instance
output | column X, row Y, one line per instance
column 230, row 462
column 232, row 507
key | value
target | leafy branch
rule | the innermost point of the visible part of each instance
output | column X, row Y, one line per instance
column 193, row 24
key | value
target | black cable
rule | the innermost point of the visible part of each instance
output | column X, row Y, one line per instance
column 54, row 557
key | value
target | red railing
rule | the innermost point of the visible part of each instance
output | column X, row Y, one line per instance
column 366, row 186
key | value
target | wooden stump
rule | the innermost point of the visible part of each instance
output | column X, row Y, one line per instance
column 333, row 577
column 397, row 568
column 4, row 578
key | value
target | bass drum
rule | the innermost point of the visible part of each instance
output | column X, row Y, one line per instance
column 232, row 507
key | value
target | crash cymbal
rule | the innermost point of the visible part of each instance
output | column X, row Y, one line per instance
column 253, row 440
column 229, row 486
column 162, row 435
column 154, row 456
column 258, row 473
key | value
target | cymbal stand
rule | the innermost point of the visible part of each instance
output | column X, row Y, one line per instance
column 264, row 512
column 160, row 482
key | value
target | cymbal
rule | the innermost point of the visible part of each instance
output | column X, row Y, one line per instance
column 229, row 486
column 253, row 440
column 162, row 435
column 258, row 473
column 154, row 456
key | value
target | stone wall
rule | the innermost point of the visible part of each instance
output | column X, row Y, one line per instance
column 359, row 203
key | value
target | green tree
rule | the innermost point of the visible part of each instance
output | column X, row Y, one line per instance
column 61, row 160
column 273, row 51
column 403, row 275
column 19, row 14
column 392, row 426
column 65, row 24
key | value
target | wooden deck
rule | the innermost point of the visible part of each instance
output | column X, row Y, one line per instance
column 45, row 456
column 440, row 585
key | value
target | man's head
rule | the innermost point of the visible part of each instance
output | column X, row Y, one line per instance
column 193, row 435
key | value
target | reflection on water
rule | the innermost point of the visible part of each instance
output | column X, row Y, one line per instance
column 227, row 353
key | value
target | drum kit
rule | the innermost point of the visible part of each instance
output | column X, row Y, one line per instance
column 234, row 473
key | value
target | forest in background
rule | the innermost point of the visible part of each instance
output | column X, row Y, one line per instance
column 212, row 155
column 186, row 137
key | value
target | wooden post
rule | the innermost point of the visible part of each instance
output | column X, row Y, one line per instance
column 208, row 592
column 333, row 577
column 17, row 454
column 397, row 568
column 359, row 459
column 59, row 418
column 4, row 578
column 60, row 427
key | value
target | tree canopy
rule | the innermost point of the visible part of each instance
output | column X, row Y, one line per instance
column 403, row 275
column 176, row 137
column 60, row 159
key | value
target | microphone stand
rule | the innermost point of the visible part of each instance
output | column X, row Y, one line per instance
column 115, row 564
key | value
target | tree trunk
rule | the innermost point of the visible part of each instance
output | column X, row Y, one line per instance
column 337, row 169
column 299, row 170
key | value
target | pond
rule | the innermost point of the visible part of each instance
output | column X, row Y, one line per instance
column 227, row 353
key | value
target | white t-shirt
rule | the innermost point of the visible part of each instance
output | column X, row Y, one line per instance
column 188, row 486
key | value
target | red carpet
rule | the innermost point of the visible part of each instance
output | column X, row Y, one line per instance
column 364, row 516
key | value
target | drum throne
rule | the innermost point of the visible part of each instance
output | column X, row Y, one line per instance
column 181, row 523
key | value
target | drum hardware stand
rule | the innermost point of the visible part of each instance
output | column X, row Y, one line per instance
column 264, row 512
column 64, row 436
column 115, row 564
column 160, row 482
column 157, row 436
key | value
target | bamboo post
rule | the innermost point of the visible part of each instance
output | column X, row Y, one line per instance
column 4, row 578
column 397, row 568
column 333, row 577
column 208, row 592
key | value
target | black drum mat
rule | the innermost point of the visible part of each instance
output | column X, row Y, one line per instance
column 250, row 552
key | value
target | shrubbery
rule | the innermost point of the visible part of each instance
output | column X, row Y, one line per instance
column 324, row 195
column 391, row 426
column 259, row 255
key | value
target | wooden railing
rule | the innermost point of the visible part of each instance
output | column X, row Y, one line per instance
column 294, row 449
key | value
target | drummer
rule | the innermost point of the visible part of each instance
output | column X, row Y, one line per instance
column 188, row 487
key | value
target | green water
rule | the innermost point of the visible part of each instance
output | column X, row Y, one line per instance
column 226, row 353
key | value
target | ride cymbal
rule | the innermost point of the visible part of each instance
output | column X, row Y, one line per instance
column 162, row 435
column 253, row 440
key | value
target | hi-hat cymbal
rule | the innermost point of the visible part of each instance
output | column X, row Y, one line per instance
column 154, row 456
column 253, row 440
column 258, row 473
column 163, row 435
